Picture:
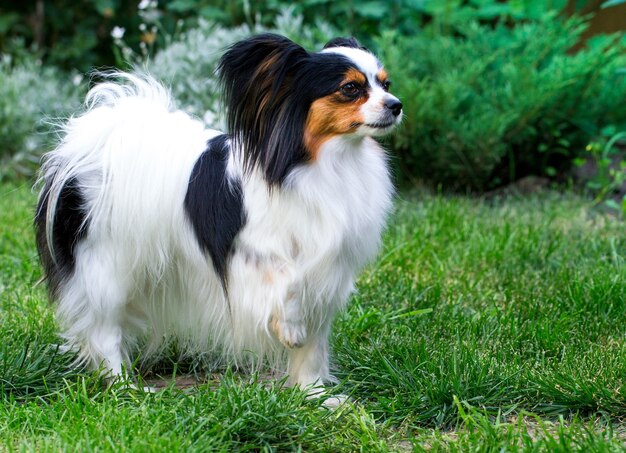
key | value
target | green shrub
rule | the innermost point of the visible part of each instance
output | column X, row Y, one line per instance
column 32, row 99
column 78, row 35
column 491, row 104
column 602, row 170
column 81, row 35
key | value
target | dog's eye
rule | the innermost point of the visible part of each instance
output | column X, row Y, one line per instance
column 350, row 89
column 386, row 85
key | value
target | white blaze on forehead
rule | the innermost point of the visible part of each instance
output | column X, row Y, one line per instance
column 365, row 61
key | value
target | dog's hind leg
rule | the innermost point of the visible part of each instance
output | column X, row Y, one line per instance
column 92, row 309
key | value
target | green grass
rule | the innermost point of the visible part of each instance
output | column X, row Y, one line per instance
column 482, row 326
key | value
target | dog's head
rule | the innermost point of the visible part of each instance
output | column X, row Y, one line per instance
column 285, row 103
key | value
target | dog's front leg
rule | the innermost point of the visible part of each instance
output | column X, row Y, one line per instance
column 265, row 293
column 308, row 347
column 287, row 322
column 308, row 364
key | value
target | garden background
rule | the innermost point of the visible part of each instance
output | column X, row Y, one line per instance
column 495, row 316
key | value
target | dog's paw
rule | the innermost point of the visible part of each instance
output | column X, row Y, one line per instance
column 292, row 334
column 334, row 402
column 142, row 388
column 331, row 402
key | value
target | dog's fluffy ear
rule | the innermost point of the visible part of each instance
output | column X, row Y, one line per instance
column 344, row 42
column 262, row 58
column 258, row 74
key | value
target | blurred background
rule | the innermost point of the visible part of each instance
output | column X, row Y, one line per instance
column 498, row 95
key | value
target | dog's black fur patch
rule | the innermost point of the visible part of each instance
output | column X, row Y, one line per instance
column 214, row 204
column 69, row 228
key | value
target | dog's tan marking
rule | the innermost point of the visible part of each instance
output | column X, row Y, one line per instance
column 334, row 115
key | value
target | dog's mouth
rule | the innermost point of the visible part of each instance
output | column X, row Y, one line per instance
column 375, row 128
column 380, row 125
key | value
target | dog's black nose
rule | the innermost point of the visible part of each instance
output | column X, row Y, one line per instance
column 394, row 105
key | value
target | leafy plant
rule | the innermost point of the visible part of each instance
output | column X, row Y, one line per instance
column 607, row 162
column 71, row 35
column 80, row 35
column 492, row 104
column 32, row 98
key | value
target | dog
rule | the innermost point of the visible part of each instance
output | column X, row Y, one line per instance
column 242, row 246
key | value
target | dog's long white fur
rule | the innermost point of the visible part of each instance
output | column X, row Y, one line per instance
column 140, row 276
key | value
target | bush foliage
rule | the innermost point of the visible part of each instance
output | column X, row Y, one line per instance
column 492, row 90
column 77, row 35
column 489, row 105
column 32, row 99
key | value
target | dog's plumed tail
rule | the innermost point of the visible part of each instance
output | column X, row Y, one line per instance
column 126, row 126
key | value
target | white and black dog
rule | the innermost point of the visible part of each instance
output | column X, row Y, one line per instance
column 243, row 245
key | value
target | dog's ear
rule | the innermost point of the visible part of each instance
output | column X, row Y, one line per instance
column 258, row 74
column 261, row 58
column 344, row 42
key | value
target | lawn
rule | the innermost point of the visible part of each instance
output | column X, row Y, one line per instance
column 482, row 325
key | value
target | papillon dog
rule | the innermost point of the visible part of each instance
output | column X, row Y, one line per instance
column 241, row 247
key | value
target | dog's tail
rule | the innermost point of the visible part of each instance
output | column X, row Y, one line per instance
column 101, row 154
